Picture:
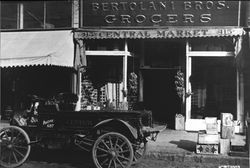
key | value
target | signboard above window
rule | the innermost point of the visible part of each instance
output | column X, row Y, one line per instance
column 153, row 13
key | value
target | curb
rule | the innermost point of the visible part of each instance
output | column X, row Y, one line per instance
column 199, row 159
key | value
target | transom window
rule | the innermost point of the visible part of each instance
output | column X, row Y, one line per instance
column 36, row 14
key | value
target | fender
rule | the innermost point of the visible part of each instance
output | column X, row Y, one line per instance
column 116, row 123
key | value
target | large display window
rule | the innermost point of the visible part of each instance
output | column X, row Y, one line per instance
column 213, row 83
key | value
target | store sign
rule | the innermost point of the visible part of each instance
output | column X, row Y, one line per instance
column 158, row 33
column 134, row 13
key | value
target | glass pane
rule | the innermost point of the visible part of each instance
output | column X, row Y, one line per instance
column 212, row 44
column 58, row 14
column 33, row 14
column 9, row 15
column 213, row 83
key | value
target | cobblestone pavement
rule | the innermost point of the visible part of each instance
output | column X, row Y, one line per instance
column 43, row 158
column 79, row 159
column 40, row 158
column 146, row 163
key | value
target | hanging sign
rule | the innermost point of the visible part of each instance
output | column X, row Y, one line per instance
column 127, row 13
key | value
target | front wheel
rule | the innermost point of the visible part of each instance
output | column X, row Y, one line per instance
column 112, row 150
column 14, row 146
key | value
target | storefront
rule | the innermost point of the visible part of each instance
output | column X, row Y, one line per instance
column 40, row 63
column 157, row 39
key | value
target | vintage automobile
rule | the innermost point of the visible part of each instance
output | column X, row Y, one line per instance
column 115, row 138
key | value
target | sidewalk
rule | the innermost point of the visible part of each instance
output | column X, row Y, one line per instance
column 180, row 146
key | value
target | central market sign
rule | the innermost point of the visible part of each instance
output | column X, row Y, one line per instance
column 158, row 33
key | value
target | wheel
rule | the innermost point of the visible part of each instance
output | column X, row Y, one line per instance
column 112, row 150
column 139, row 151
column 14, row 146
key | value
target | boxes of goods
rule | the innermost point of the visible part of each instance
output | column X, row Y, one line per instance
column 179, row 122
column 211, row 125
column 224, row 146
column 227, row 132
column 227, row 126
column 209, row 139
column 204, row 138
column 207, row 143
column 207, row 148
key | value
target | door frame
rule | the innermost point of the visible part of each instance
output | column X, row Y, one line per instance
column 199, row 124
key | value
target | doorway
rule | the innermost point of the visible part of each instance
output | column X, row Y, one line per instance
column 160, row 96
column 162, row 60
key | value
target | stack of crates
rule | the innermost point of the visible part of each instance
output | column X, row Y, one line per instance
column 208, row 140
column 227, row 132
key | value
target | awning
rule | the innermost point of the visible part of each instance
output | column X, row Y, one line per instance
column 37, row 48
column 176, row 32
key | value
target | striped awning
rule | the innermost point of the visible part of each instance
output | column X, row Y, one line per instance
column 29, row 48
column 176, row 32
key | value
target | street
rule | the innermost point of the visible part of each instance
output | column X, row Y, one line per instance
column 78, row 159
column 146, row 163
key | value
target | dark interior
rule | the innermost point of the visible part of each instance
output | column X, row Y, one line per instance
column 213, row 84
column 163, row 59
column 42, row 81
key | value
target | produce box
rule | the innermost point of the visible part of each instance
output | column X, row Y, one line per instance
column 227, row 126
column 207, row 148
column 211, row 125
column 208, row 138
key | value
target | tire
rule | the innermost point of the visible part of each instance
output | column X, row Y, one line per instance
column 112, row 150
column 14, row 146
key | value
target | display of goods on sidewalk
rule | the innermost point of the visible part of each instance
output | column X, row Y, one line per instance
column 227, row 126
column 179, row 122
column 209, row 139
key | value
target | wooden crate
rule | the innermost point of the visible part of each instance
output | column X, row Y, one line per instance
column 211, row 125
column 208, row 138
column 227, row 132
column 224, row 146
column 207, row 148
column 227, row 119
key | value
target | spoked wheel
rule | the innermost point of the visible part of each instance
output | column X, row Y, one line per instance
column 139, row 151
column 14, row 146
column 112, row 150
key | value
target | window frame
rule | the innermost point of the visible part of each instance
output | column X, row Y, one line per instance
column 20, row 18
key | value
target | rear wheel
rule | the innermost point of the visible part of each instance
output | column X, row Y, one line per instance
column 112, row 150
column 14, row 146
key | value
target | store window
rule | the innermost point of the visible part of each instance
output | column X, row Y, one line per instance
column 213, row 84
column 58, row 14
column 213, row 80
column 36, row 14
column 33, row 15
column 9, row 15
